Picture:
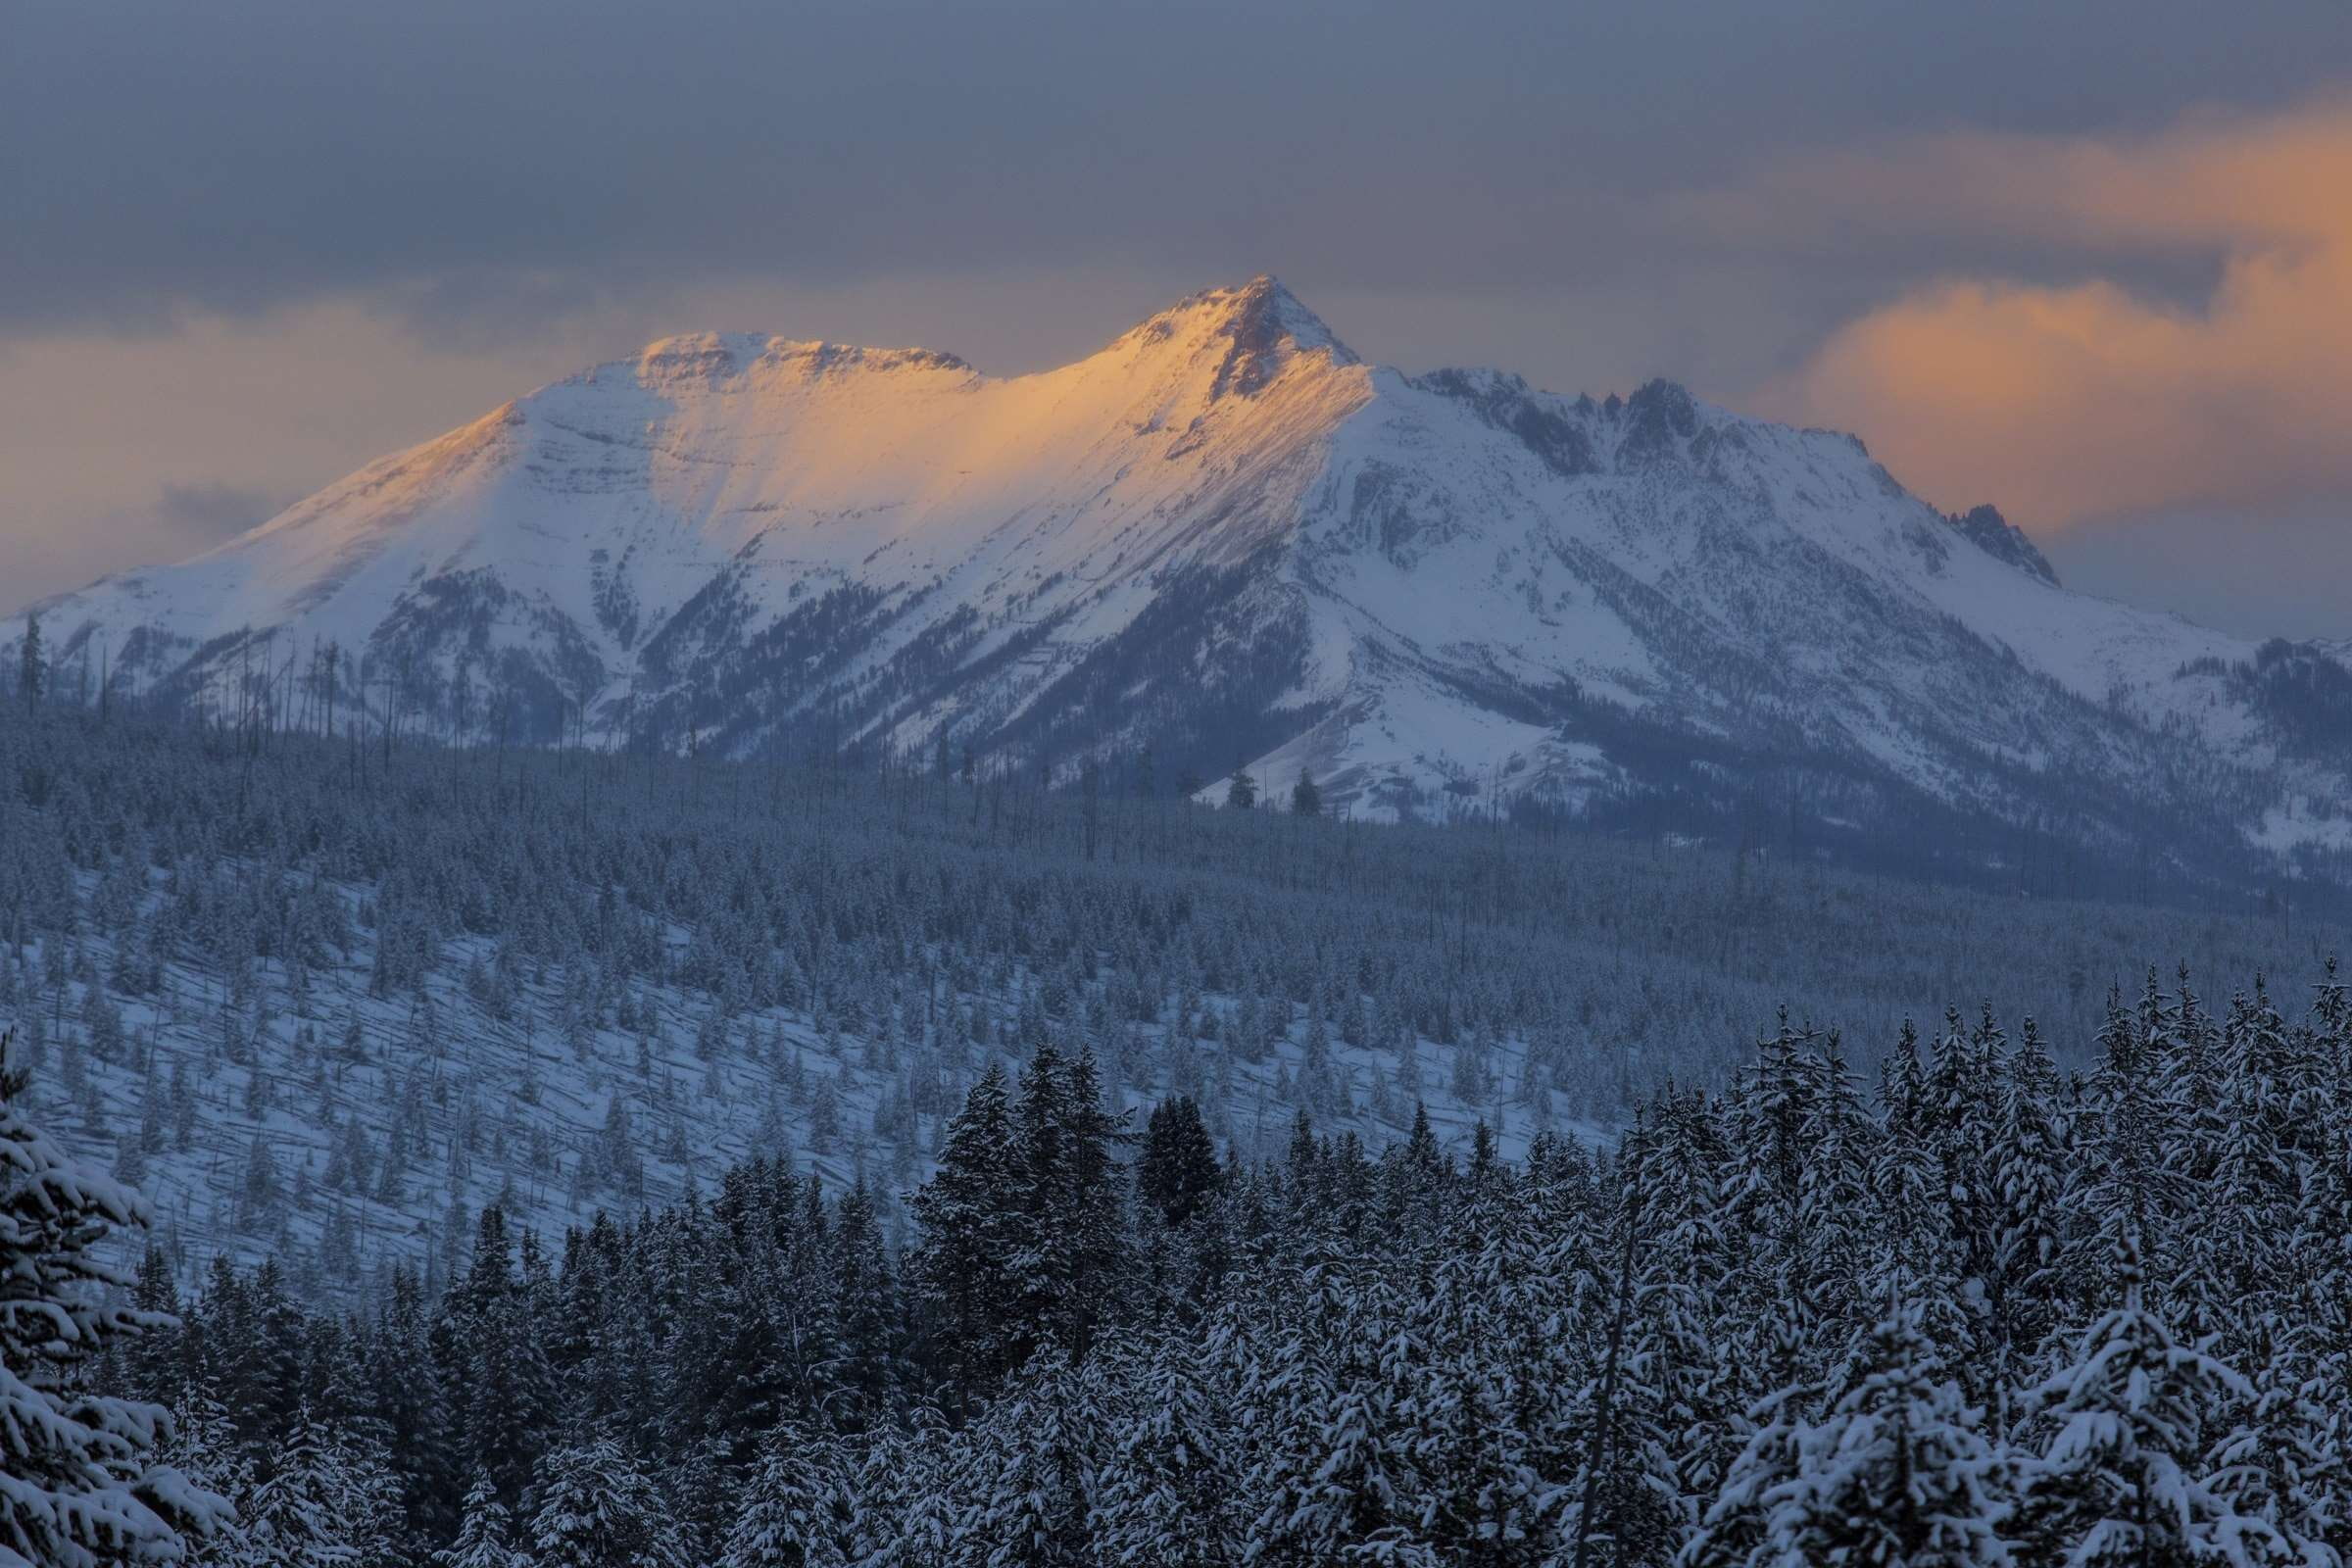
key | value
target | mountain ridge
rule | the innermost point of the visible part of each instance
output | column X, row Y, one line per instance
column 1227, row 537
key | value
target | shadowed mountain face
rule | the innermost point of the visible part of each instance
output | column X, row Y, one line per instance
column 1227, row 538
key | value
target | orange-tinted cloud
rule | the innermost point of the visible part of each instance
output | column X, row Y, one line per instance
column 2089, row 399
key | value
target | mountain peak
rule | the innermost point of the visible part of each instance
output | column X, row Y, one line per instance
column 1223, row 535
column 1257, row 328
column 1263, row 305
column 1997, row 536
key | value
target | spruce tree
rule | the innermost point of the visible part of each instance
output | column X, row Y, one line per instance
column 203, row 1447
column 906, row 1492
column 1031, row 1484
column 1897, row 1473
column 81, row 1483
column 485, row 1534
column 1177, row 1170
column 325, row 1503
column 504, row 1389
column 1087, row 1216
column 800, row 1508
column 2120, row 1474
column 1166, row 1493
column 978, row 1235
column 32, row 667
column 597, row 1510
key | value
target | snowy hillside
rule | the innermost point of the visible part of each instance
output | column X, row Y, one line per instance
column 1228, row 539
column 325, row 1003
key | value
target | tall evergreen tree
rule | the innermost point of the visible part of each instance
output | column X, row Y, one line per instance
column 485, row 1534
column 1897, row 1472
column 326, row 1502
column 978, row 1232
column 80, row 1484
column 597, row 1510
column 2119, row 1476
column 1166, row 1493
column 32, row 664
column 800, row 1508
column 1177, row 1170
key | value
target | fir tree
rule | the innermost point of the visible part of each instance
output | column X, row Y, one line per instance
column 1177, row 1170
column 80, row 1484
column 2120, row 1474
column 484, row 1533
column 597, row 1510
column 203, row 1447
column 1032, row 1481
column 977, row 1237
column 1165, row 1496
column 324, row 1503
column 1897, row 1473
column 801, row 1509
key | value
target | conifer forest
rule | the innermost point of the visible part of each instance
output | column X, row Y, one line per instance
column 483, row 1158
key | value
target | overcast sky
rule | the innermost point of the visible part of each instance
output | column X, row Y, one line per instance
column 2091, row 263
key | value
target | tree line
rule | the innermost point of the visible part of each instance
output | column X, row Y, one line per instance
column 1981, row 1310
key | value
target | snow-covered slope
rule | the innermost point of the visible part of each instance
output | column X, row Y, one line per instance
column 1228, row 538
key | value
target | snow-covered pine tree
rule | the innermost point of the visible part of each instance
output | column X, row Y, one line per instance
column 203, row 1447
column 325, row 1503
column 1165, row 1496
column 1088, row 1215
column 1481, row 1503
column 1624, row 1503
column 1920, row 1261
column 505, row 1386
column 976, row 1233
column 1841, row 1140
column 597, row 1510
column 1333, row 1473
column 485, row 1533
column 2124, row 1429
column 1684, row 1292
column 1031, row 1477
column 800, row 1509
column 1897, row 1473
column 870, row 1314
column 1177, row 1167
column 2284, row 1462
column 2131, row 1195
column 1734, row 1530
column 80, row 1485
column 2028, row 1176
column 909, row 1511
column 408, row 1399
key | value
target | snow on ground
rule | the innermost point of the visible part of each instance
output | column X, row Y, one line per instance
column 498, row 1103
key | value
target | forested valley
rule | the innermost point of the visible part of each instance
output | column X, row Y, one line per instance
column 325, row 1002
column 489, row 1158
column 1978, row 1311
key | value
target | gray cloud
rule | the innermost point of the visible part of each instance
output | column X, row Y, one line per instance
column 204, row 513
column 2259, row 576
column 242, row 155
column 179, row 520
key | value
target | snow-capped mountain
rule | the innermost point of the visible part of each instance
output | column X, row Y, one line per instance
column 1229, row 538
